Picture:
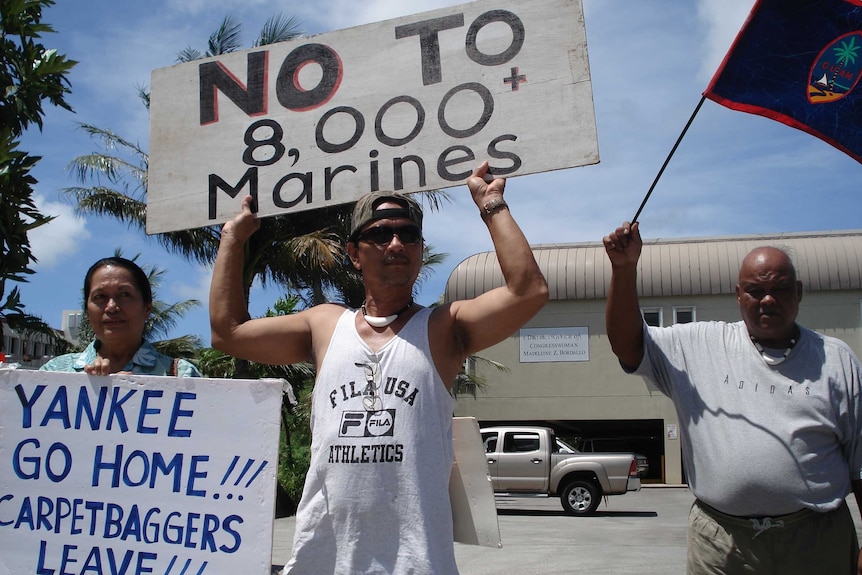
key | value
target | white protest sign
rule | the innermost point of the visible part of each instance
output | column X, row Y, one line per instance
column 136, row 474
column 471, row 492
column 409, row 104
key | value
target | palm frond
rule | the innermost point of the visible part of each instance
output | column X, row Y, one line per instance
column 111, row 140
column 433, row 198
column 165, row 317
column 144, row 95
column 102, row 201
column 470, row 380
column 186, row 346
column 278, row 28
column 319, row 250
column 189, row 54
column 430, row 259
column 113, row 168
column 226, row 39
column 199, row 244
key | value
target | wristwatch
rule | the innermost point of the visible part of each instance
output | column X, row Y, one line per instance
column 492, row 206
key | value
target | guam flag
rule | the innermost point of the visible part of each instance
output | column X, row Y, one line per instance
column 799, row 62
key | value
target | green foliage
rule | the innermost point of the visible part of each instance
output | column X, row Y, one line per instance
column 30, row 73
column 295, row 446
column 468, row 381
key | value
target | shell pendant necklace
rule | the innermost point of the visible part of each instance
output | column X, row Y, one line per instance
column 377, row 321
column 770, row 359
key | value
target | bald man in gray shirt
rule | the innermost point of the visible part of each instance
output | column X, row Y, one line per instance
column 770, row 417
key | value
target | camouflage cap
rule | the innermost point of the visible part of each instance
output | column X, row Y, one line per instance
column 366, row 210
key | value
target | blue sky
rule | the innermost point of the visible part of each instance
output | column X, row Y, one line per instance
column 650, row 61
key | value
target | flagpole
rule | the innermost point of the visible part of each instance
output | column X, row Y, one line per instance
column 669, row 156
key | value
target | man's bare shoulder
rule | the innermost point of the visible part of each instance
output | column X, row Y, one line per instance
column 321, row 319
column 324, row 312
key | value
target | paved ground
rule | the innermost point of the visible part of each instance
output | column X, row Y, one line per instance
column 642, row 532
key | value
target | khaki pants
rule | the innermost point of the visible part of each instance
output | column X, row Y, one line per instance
column 801, row 543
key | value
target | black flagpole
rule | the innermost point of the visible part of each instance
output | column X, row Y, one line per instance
column 669, row 156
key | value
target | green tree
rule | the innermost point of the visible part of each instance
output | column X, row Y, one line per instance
column 30, row 74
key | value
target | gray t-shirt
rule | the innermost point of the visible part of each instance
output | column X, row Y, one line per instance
column 760, row 440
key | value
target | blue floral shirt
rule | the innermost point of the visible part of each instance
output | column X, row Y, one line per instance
column 147, row 361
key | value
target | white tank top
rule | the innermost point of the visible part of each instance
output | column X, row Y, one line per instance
column 376, row 498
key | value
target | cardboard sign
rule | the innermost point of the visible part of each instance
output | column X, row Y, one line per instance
column 136, row 474
column 471, row 494
column 409, row 104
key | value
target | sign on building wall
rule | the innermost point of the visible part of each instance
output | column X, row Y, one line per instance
column 409, row 104
column 554, row 344
column 136, row 474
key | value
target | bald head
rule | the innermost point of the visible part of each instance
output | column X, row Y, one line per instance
column 769, row 294
column 768, row 260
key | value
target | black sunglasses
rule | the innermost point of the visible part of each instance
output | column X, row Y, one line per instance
column 382, row 235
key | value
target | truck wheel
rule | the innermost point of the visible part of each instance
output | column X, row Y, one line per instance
column 580, row 498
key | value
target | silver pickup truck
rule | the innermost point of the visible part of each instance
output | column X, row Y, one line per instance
column 531, row 460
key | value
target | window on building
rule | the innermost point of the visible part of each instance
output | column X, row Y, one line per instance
column 683, row 314
column 652, row 316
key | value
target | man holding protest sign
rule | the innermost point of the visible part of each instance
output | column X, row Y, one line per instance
column 376, row 496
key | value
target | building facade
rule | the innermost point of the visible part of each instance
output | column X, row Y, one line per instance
column 29, row 350
column 559, row 368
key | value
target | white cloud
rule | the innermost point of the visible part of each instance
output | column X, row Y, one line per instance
column 59, row 238
column 195, row 285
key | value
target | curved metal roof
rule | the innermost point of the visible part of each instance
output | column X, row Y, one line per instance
column 825, row 261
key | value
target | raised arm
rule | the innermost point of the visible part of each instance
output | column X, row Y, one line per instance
column 493, row 316
column 275, row 340
column 623, row 315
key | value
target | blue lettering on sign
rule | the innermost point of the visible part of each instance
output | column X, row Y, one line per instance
column 104, row 412
column 139, row 468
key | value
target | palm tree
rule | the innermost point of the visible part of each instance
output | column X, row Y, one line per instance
column 846, row 54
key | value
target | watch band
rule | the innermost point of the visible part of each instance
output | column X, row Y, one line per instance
column 492, row 206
